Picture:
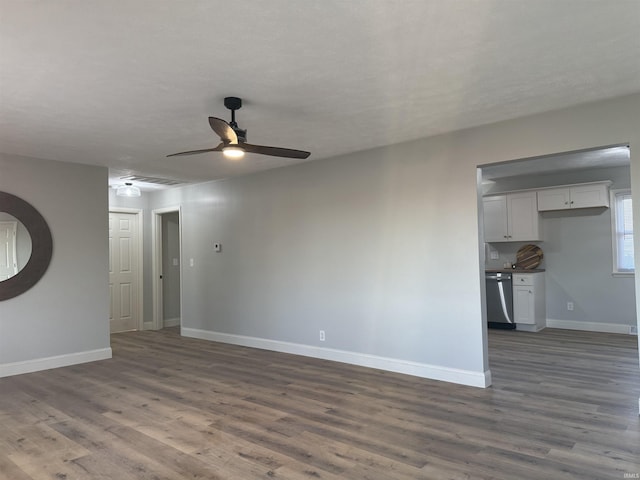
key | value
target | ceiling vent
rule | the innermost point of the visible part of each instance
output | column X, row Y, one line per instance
column 152, row 180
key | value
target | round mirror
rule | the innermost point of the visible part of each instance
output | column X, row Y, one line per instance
column 31, row 248
column 15, row 246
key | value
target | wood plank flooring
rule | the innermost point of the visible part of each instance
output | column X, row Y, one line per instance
column 564, row 405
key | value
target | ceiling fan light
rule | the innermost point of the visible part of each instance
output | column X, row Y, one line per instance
column 233, row 152
column 127, row 190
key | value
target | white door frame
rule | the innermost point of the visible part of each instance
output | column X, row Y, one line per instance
column 140, row 250
column 156, row 256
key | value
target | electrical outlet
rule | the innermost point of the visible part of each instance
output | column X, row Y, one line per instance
column 570, row 306
column 495, row 255
column 322, row 335
column 633, row 330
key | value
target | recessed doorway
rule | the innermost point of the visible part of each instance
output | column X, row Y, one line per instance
column 167, row 268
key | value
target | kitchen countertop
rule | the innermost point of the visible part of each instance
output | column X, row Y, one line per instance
column 514, row 270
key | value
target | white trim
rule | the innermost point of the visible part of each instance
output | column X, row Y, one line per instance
column 171, row 322
column 140, row 218
column 434, row 372
column 156, row 262
column 525, row 327
column 615, row 214
column 589, row 326
column 38, row 364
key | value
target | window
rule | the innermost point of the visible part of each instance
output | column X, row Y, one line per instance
column 622, row 223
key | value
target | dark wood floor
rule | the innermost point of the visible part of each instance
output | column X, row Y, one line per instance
column 564, row 405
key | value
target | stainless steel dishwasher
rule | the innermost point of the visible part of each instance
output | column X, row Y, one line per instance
column 500, row 300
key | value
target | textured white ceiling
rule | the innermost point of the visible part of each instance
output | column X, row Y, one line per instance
column 124, row 83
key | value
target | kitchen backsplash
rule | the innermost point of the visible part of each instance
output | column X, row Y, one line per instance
column 506, row 253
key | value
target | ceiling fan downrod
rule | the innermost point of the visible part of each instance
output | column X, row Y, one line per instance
column 233, row 104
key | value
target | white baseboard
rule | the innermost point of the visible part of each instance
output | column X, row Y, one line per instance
column 434, row 372
column 589, row 326
column 528, row 328
column 37, row 364
column 171, row 322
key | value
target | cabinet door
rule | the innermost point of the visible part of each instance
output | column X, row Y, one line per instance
column 553, row 199
column 522, row 217
column 495, row 218
column 585, row 196
column 523, row 305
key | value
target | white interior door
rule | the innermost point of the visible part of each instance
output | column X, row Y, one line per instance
column 8, row 258
column 123, row 272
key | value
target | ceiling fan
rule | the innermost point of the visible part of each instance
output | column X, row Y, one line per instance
column 234, row 140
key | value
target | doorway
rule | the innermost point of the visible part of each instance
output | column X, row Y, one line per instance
column 125, row 270
column 167, row 268
column 583, row 292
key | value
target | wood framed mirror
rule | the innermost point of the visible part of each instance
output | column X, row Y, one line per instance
column 41, row 246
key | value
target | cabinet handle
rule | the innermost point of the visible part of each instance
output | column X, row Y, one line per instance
column 571, row 202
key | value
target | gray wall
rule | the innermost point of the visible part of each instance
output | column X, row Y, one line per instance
column 344, row 245
column 67, row 312
column 578, row 254
column 171, row 266
column 379, row 248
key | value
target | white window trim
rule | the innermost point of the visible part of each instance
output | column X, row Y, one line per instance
column 614, row 243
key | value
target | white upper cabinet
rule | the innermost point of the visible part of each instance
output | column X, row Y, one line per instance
column 495, row 219
column 512, row 217
column 576, row 196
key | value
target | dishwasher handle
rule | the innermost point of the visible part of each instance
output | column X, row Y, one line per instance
column 499, row 277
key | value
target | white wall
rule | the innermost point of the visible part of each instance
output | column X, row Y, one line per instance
column 379, row 248
column 62, row 319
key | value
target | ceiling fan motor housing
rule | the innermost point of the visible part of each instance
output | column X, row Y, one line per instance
column 233, row 103
column 242, row 134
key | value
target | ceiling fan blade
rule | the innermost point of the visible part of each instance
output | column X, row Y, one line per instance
column 193, row 152
column 275, row 151
column 224, row 130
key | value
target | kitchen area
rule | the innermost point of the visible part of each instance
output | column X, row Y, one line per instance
column 549, row 243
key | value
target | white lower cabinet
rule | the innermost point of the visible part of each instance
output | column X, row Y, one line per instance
column 529, row 307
